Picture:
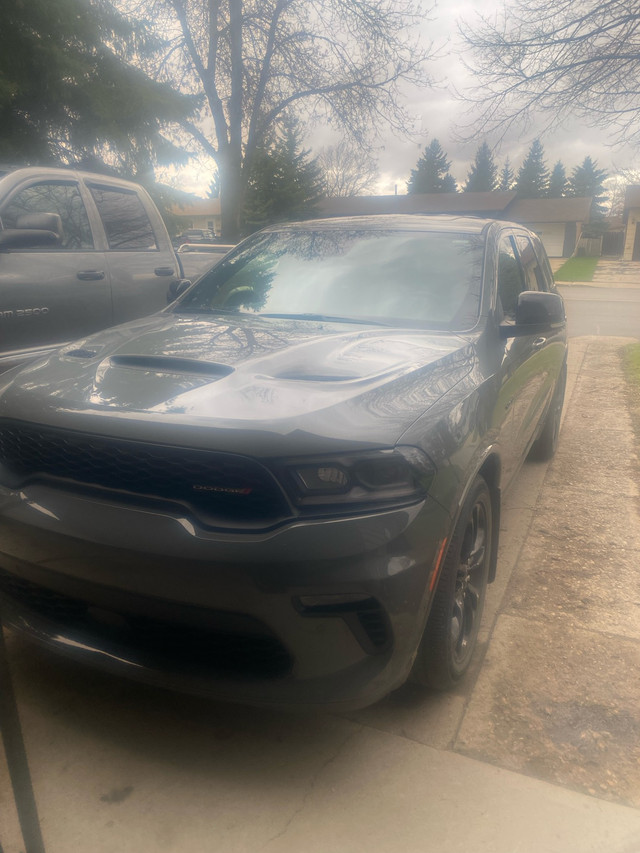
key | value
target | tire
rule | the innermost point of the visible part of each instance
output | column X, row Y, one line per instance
column 545, row 446
column 451, row 632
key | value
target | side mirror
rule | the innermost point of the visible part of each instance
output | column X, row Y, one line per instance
column 27, row 238
column 177, row 288
column 33, row 230
column 537, row 313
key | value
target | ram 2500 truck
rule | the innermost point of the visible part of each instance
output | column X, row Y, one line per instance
column 79, row 252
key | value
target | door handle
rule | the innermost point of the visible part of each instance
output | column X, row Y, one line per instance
column 539, row 342
column 164, row 271
column 90, row 275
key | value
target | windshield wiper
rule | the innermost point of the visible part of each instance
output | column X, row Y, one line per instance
column 329, row 318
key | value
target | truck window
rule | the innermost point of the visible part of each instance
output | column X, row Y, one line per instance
column 58, row 197
column 510, row 283
column 534, row 276
column 125, row 220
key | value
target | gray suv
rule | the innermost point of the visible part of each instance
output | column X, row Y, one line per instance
column 78, row 252
column 285, row 488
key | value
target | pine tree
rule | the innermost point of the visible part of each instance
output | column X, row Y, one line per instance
column 588, row 181
column 285, row 183
column 533, row 177
column 483, row 175
column 507, row 177
column 557, row 181
column 431, row 174
column 69, row 93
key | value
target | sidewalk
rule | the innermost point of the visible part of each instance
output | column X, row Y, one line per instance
column 538, row 751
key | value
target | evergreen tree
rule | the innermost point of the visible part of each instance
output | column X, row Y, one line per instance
column 557, row 181
column 533, row 177
column 507, row 177
column 431, row 174
column 483, row 175
column 588, row 181
column 69, row 93
column 285, row 183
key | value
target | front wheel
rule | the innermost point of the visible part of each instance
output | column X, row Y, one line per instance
column 452, row 629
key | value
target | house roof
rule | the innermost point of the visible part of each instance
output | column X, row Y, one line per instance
column 469, row 203
column 549, row 210
column 499, row 205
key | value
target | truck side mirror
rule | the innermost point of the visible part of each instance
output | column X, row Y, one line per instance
column 537, row 313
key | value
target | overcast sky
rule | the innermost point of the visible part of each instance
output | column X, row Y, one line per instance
column 438, row 113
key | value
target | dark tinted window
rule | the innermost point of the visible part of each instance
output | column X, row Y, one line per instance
column 124, row 218
column 426, row 279
column 510, row 281
column 533, row 274
column 545, row 266
column 52, row 197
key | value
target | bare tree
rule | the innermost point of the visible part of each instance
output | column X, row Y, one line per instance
column 616, row 187
column 549, row 59
column 252, row 60
column 347, row 170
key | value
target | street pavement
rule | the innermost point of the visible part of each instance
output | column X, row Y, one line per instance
column 537, row 750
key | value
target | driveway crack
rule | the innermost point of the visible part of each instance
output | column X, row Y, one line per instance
column 312, row 784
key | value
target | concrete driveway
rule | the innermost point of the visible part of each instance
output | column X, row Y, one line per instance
column 538, row 749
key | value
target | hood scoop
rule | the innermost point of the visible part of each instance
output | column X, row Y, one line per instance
column 80, row 353
column 169, row 364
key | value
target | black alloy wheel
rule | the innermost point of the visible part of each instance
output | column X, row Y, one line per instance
column 452, row 629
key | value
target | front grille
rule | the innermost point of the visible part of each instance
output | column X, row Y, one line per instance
column 219, row 488
column 222, row 643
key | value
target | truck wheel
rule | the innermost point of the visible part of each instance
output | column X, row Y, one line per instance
column 452, row 628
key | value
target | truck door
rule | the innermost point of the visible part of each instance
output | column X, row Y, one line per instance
column 54, row 294
column 141, row 260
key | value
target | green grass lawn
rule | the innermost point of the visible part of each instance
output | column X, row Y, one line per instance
column 577, row 269
column 632, row 362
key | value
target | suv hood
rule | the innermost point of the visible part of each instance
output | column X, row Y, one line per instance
column 262, row 378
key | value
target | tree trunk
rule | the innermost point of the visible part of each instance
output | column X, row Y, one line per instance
column 231, row 196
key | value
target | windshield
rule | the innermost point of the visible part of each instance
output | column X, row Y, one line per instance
column 411, row 278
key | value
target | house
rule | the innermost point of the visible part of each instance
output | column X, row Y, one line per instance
column 632, row 222
column 466, row 204
column 199, row 213
column 558, row 221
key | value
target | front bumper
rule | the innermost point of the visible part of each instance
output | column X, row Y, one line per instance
column 313, row 613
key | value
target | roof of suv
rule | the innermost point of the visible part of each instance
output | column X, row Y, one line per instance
column 400, row 222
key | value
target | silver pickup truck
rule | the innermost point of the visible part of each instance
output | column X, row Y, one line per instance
column 78, row 252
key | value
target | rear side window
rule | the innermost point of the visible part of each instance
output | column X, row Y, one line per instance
column 533, row 274
column 125, row 220
column 61, row 198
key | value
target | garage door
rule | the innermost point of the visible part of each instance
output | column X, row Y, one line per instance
column 552, row 236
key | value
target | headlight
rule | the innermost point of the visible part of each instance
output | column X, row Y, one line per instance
column 401, row 475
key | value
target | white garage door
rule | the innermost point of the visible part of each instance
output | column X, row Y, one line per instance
column 552, row 236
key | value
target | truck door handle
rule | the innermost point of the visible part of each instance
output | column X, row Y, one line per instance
column 90, row 275
column 164, row 271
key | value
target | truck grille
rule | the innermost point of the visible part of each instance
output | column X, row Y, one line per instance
column 221, row 489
